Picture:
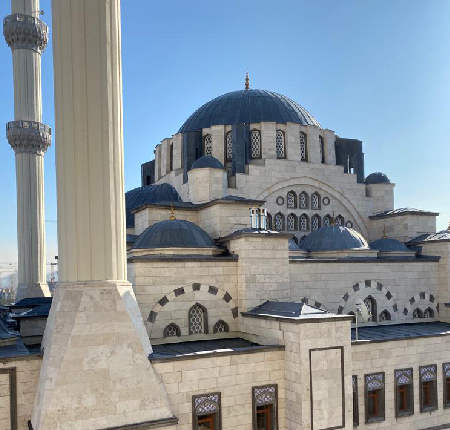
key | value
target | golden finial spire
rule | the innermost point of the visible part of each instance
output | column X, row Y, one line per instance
column 247, row 81
column 384, row 232
column 333, row 220
column 172, row 214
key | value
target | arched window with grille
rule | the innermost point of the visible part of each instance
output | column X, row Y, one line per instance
column 221, row 327
column 291, row 223
column 303, row 147
column 304, row 222
column 198, row 323
column 207, row 145
column 340, row 220
column 385, row 316
column 326, row 220
column 279, row 222
column 428, row 313
column 315, row 201
column 269, row 221
column 255, row 144
column 322, row 150
column 280, row 144
column 371, row 306
column 417, row 313
column 315, row 222
column 303, row 200
column 229, row 146
column 291, row 200
column 171, row 330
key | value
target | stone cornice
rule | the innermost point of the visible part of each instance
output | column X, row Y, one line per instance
column 28, row 136
column 25, row 32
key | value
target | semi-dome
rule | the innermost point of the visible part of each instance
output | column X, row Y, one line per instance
column 146, row 195
column 388, row 245
column 174, row 234
column 333, row 238
column 377, row 178
column 248, row 106
column 207, row 161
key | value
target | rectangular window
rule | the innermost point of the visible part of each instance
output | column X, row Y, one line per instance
column 428, row 388
column 171, row 157
column 355, row 401
column 404, row 394
column 206, row 412
column 265, row 407
column 446, row 373
column 322, row 150
column 374, row 397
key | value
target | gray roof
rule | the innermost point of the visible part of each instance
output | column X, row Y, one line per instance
column 40, row 311
column 283, row 310
column 149, row 194
column 377, row 178
column 432, row 237
column 248, row 106
column 174, row 234
column 402, row 211
column 293, row 246
column 401, row 331
column 388, row 245
column 207, row 161
column 333, row 238
column 32, row 301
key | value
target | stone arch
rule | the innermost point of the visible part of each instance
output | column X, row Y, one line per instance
column 210, row 289
column 311, row 302
column 366, row 288
column 427, row 299
column 306, row 180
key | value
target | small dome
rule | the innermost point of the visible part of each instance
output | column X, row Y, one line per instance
column 207, row 161
column 333, row 238
column 148, row 194
column 174, row 234
column 377, row 178
column 388, row 245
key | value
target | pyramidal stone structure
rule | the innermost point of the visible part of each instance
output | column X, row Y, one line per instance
column 95, row 372
column 27, row 36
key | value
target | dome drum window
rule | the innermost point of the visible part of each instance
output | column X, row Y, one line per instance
column 303, row 147
column 280, row 145
column 291, row 200
column 304, row 222
column 315, row 222
column 229, row 147
column 255, row 144
column 303, row 200
column 198, row 323
column 315, row 201
column 207, row 150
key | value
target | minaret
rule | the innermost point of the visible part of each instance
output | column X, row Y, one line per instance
column 27, row 36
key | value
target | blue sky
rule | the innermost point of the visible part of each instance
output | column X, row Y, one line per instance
column 375, row 70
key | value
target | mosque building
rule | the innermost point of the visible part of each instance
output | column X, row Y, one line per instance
column 258, row 279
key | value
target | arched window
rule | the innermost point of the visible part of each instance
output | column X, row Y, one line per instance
column 303, row 147
column 269, row 221
column 304, row 222
column 291, row 222
column 385, row 316
column 371, row 306
column 197, row 319
column 207, row 142
column 221, row 327
column 322, row 150
column 303, row 200
column 428, row 313
column 315, row 222
column 340, row 220
column 315, row 201
column 279, row 144
column 229, row 146
column 172, row 330
column 279, row 222
column 255, row 144
column 291, row 200
column 417, row 313
column 326, row 220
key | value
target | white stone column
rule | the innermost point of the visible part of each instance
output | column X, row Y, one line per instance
column 27, row 37
column 95, row 372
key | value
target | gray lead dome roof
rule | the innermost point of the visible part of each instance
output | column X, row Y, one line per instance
column 377, row 178
column 248, row 106
column 174, row 234
column 388, row 245
column 207, row 161
column 333, row 238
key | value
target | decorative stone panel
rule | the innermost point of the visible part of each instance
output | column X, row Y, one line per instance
column 426, row 299
column 25, row 32
column 28, row 137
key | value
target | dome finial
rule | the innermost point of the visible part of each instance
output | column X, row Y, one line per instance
column 384, row 232
column 172, row 214
column 247, row 81
column 333, row 220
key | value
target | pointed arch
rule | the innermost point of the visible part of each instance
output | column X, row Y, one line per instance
column 280, row 144
column 303, row 200
column 316, row 202
column 198, row 319
column 278, row 222
column 291, row 200
column 207, row 144
column 340, row 220
column 303, row 147
column 385, row 316
column 292, row 222
column 371, row 305
column 304, row 222
column 171, row 330
column 315, row 222
column 255, row 144
column 221, row 327
column 326, row 220
column 421, row 301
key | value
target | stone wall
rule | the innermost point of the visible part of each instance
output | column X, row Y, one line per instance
column 153, row 214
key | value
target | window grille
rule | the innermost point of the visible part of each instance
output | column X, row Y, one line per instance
column 206, row 411
column 315, row 222
column 446, row 373
column 326, row 220
column 197, row 319
column 265, row 407
column 208, row 145
column 417, row 313
column 428, row 388
column 428, row 313
column 303, row 200
column 355, row 401
column 371, row 307
column 291, row 200
column 279, row 222
column 221, row 327
column 385, row 316
column 303, row 148
column 279, row 144
column 255, row 144
column 404, row 395
column 304, row 222
column 340, row 220
column 229, row 146
column 315, row 201
column 172, row 330
column 374, row 397
column 291, row 222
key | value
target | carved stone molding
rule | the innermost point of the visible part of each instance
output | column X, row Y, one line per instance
column 28, row 136
column 25, row 32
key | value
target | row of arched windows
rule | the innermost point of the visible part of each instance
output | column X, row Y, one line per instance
column 302, row 223
column 303, row 200
column 427, row 313
column 198, row 323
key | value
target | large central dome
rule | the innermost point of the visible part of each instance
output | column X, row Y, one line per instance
column 248, row 106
